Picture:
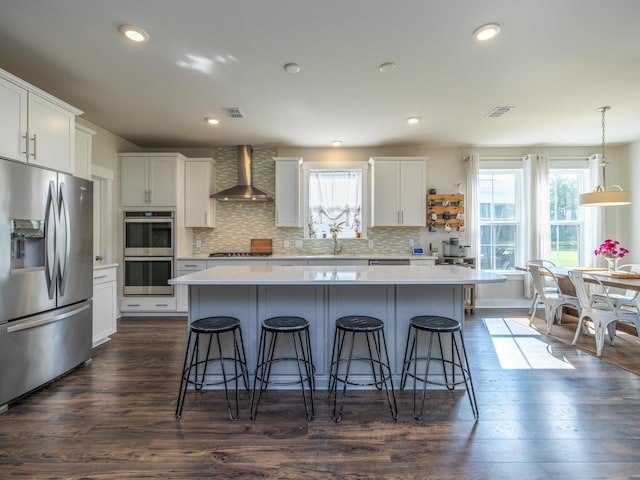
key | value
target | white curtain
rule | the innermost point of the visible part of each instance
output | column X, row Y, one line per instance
column 538, row 244
column 594, row 220
column 334, row 195
column 472, row 206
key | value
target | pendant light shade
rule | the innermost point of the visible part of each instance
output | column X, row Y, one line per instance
column 600, row 196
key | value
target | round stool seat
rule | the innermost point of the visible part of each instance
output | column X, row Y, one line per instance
column 359, row 323
column 451, row 362
column 431, row 323
column 285, row 324
column 227, row 358
column 295, row 333
column 215, row 324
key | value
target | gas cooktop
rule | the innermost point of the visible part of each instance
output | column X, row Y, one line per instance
column 239, row 254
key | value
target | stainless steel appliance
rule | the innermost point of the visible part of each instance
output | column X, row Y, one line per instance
column 148, row 275
column 452, row 248
column 46, row 267
column 148, row 234
column 148, row 252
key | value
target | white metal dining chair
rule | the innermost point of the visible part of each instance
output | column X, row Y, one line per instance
column 548, row 288
column 620, row 296
column 603, row 313
column 553, row 300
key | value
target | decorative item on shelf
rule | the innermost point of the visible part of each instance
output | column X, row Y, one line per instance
column 600, row 196
column 335, row 229
column 612, row 252
column 356, row 222
column 446, row 212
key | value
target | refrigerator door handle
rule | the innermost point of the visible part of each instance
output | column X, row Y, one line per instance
column 45, row 319
column 50, row 255
column 63, row 264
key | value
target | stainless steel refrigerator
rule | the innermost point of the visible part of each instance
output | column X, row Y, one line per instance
column 46, row 266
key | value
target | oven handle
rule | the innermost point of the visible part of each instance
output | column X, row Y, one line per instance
column 147, row 259
column 148, row 220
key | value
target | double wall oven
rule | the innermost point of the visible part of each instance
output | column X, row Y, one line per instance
column 149, row 250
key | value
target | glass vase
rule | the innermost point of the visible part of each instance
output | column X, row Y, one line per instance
column 612, row 264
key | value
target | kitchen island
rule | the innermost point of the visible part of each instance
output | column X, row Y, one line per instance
column 321, row 294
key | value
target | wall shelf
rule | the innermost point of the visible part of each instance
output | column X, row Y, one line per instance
column 443, row 209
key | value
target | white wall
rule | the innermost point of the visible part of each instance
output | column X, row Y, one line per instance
column 104, row 153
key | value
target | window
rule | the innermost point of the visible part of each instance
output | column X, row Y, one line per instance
column 335, row 198
column 499, row 192
column 565, row 216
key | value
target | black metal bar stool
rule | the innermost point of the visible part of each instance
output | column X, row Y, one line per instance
column 214, row 327
column 272, row 329
column 457, row 364
column 373, row 329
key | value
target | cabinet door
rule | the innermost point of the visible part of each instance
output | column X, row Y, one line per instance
column 413, row 194
column 13, row 121
column 385, row 194
column 104, row 305
column 199, row 185
column 83, row 142
column 162, row 181
column 133, row 181
column 51, row 135
column 288, row 193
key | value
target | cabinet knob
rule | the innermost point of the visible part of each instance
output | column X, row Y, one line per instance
column 99, row 258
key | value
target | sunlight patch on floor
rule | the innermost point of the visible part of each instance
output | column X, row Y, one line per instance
column 519, row 347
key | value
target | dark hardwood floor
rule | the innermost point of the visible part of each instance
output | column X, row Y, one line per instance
column 547, row 411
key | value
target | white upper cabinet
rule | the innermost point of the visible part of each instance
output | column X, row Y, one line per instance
column 13, row 121
column 398, row 191
column 84, row 141
column 199, row 183
column 149, row 180
column 36, row 127
column 287, row 191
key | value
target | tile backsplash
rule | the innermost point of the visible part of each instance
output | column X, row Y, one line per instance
column 238, row 222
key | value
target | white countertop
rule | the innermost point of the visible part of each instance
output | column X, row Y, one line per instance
column 337, row 275
column 345, row 256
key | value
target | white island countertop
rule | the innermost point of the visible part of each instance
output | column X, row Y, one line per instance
column 337, row 275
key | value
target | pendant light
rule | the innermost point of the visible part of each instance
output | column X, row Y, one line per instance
column 600, row 196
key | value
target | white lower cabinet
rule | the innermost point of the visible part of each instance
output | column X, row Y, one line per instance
column 148, row 304
column 184, row 267
column 105, row 313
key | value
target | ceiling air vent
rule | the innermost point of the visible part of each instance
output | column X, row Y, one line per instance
column 498, row 112
column 233, row 112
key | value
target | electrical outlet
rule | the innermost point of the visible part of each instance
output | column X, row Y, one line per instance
column 286, row 244
column 411, row 243
column 370, row 243
column 198, row 243
column 298, row 243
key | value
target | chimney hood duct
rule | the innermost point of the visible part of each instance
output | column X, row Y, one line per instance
column 244, row 190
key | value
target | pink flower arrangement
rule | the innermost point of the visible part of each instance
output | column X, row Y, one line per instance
column 611, row 249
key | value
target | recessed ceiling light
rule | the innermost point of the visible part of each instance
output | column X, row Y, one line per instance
column 486, row 32
column 413, row 120
column 292, row 67
column 336, row 143
column 387, row 67
column 133, row 33
column 213, row 121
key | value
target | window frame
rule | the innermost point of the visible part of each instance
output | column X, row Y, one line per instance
column 505, row 166
column 363, row 167
column 581, row 167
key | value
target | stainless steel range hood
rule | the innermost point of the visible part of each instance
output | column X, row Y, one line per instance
column 244, row 189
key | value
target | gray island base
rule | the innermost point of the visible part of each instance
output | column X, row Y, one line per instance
column 321, row 294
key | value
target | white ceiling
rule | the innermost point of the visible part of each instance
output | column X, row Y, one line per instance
column 555, row 61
